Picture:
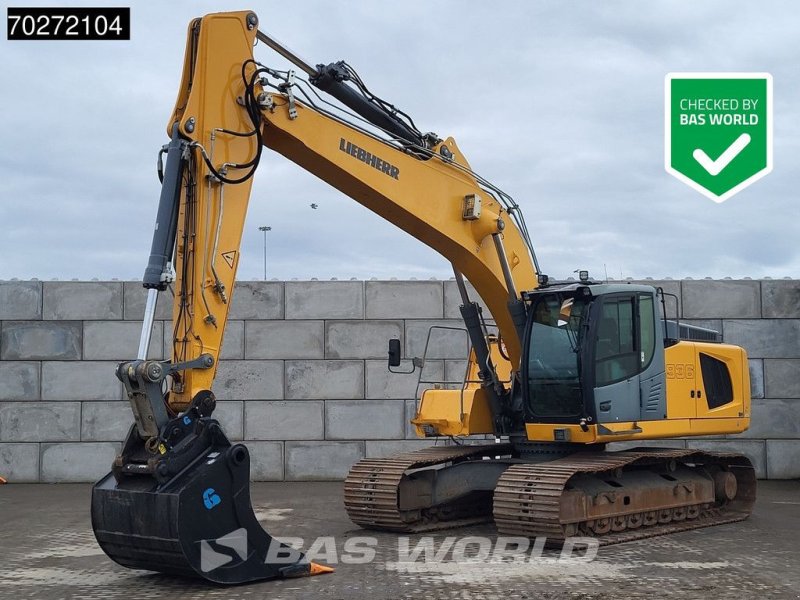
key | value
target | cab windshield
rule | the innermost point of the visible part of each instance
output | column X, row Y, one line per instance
column 554, row 385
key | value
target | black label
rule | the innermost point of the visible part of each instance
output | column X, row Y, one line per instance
column 369, row 158
column 63, row 23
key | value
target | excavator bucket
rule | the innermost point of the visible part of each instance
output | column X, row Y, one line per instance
column 190, row 516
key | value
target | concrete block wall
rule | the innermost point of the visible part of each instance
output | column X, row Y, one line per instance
column 302, row 378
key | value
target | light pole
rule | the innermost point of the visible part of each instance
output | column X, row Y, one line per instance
column 265, row 229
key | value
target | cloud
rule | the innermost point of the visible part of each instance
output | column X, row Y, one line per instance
column 559, row 104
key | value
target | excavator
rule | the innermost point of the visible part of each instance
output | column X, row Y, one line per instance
column 556, row 370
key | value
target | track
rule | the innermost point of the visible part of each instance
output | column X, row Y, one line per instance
column 612, row 496
column 530, row 499
column 371, row 491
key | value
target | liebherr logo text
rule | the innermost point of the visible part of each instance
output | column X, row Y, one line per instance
column 369, row 158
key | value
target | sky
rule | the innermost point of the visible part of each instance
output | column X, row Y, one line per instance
column 560, row 104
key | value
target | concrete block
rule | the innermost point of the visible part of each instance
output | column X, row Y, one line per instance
column 168, row 334
column 324, row 299
column 669, row 286
column 452, row 300
column 257, row 300
column 410, row 413
column 455, row 370
column 313, row 379
column 39, row 421
column 756, row 377
column 82, row 300
column 383, row 384
column 783, row 459
column 284, row 339
column 84, row 380
column 383, row 448
column 755, row 450
column 774, row 418
column 249, row 380
column 364, row 419
column 266, row 461
column 230, row 417
column 19, row 463
column 360, row 339
column 444, row 343
column 295, row 420
column 233, row 341
column 780, row 299
column 77, row 462
column 782, row 377
column 38, row 340
column 765, row 338
column 321, row 461
column 119, row 340
column 134, row 297
column 105, row 421
column 20, row 300
column 19, row 380
column 705, row 299
column 404, row 300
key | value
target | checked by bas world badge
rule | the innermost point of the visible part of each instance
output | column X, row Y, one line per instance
column 718, row 130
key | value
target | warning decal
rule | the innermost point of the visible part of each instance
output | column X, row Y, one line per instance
column 229, row 257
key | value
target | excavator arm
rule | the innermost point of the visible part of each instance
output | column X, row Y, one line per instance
column 176, row 460
column 224, row 112
column 223, row 115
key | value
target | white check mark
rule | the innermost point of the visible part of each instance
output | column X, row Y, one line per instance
column 714, row 167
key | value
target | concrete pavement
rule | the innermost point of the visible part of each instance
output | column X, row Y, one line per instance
column 47, row 551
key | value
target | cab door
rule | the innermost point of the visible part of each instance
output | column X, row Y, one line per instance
column 653, row 381
column 616, row 360
column 629, row 379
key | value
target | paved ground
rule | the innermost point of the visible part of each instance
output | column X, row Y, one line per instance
column 47, row 551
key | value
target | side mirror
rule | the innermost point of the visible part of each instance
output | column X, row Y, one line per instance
column 394, row 352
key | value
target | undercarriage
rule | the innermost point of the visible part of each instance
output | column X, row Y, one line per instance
column 612, row 496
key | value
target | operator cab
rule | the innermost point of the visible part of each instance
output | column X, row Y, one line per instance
column 593, row 353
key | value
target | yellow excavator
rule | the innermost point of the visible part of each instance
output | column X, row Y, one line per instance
column 561, row 369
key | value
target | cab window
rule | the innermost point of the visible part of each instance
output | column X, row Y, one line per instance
column 647, row 318
column 553, row 358
column 616, row 354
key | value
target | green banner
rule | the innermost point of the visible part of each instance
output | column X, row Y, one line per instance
column 718, row 130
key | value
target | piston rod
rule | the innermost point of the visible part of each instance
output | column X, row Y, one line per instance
column 147, row 323
column 289, row 55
